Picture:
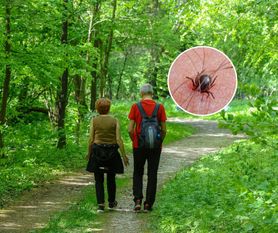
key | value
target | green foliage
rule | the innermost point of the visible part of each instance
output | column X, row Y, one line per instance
column 33, row 159
column 146, row 39
column 237, row 106
column 245, row 30
column 260, row 123
column 234, row 190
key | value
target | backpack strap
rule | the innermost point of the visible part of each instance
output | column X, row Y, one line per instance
column 140, row 107
column 143, row 113
column 155, row 111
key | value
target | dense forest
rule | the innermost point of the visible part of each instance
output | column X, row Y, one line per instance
column 57, row 57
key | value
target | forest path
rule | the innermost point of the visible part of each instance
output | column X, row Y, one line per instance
column 208, row 138
column 34, row 209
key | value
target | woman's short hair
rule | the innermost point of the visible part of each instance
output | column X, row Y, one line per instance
column 103, row 105
column 146, row 89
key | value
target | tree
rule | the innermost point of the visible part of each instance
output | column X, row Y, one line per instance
column 8, row 71
column 107, row 50
column 96, row 58
column 62, row 92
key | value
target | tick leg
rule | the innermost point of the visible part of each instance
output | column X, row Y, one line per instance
column 178, row 87
column 212, row 84
column 211, row 94
column 193, row 82
column 229, row 67
column 202, row 98
column 204, row 58
column 201, row 72
column 207, row 94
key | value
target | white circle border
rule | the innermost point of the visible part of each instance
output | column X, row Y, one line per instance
column 202, row 46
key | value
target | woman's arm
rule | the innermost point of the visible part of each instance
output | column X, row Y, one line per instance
column 120, row 143
column 91, row 139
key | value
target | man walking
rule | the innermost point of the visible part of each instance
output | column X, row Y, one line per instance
column 147, row 129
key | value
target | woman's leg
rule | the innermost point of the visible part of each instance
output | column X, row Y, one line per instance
column 99, row 179
column 111, row 187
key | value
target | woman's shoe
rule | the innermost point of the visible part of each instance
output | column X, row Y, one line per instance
column 112, row 205
column 100, row 208
column 137, row 205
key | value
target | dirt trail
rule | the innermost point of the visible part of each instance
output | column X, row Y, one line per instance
column 182, row 153
column 34, row 208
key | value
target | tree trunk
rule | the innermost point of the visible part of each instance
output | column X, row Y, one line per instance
column 80, row 89
column 104, row 67
column 121, row 75
column 6, row 85
column 62, row 93
column 81, row 104
column 155, row 55
column 94, row 73
column 77, row 91
column 110, row 92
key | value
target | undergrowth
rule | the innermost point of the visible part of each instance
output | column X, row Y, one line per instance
column 32, row 157
column 234, row 190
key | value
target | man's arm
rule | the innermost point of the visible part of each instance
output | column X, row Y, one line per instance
column 131, row 129
column 163, row 130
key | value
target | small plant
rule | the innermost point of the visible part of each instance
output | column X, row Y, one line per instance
column 260, row 123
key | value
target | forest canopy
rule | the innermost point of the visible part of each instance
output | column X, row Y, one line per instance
column 58, row 57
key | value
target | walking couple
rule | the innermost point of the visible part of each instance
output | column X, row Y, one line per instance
column 147, row 129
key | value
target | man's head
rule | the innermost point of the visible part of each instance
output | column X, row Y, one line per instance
column 146, row 90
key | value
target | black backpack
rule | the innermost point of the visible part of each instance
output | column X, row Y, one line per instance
column 150, row 135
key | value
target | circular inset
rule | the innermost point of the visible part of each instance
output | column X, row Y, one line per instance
column 202, row 80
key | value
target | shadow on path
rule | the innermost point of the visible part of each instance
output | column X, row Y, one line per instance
column 34, row 209
column 208, row 138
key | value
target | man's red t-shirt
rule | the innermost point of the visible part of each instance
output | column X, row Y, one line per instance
column 134, row 114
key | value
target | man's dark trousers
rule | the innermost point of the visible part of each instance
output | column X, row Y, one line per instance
column 152, row 156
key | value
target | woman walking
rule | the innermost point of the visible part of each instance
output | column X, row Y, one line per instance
column 105, row 140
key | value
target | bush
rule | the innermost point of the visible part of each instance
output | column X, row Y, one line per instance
column 234, row 190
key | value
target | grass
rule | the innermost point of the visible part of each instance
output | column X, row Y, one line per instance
column 82, row 216
column 33, row 158
column 234, row 190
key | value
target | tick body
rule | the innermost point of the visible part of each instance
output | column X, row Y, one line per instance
column 203, row 83
column 201, row 80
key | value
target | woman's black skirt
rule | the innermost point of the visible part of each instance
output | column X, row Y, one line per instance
column 105, row 158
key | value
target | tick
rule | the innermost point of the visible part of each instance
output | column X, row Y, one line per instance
column 203, row 83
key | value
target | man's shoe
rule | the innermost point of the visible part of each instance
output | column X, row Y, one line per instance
column 112, row 205
column 137, row 205
column 100, row 208
column 147, row 207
